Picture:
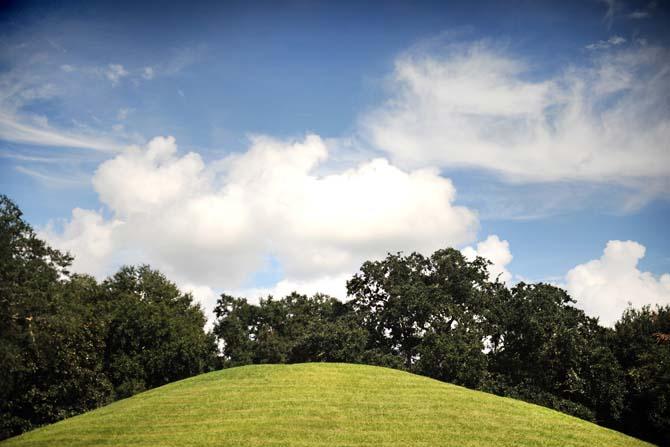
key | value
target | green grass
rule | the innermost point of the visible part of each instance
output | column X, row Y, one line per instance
column 319, row 404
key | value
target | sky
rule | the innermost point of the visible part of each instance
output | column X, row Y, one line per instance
column 261, row 148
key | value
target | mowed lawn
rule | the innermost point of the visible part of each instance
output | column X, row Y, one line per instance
column 320, row 404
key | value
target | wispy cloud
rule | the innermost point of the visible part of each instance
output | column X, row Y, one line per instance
column 473, row 107
column 54, row 181
column 115, row 72
column 123, row 113
column 644, row 13
column 613, row 9
column 37, row 158
column 21, row 130
column 148, row 73
column 636, row 15
column 617, row 8
column 605, row 44
column 36, row 78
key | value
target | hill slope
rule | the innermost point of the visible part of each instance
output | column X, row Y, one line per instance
column 319, row 404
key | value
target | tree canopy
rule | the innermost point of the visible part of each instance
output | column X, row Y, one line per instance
column 70, row 343
column 443, row 317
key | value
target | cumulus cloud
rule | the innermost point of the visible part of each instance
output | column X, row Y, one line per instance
column 496, row 251
column 203, row 295
column 605, row 287
column 331, row 285
column 217, row 223
column 476, row 106
column 89, row 236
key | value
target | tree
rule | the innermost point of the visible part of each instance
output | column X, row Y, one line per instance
column 235, row 327
column 293, row 329
column 50, row 340
column 427, row 311
column 324, row 330
column 645, row 358
column 155, row 333
column 544, row 350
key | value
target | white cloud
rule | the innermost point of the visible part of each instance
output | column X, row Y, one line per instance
column 604, row 287
column 604, row 44
column 477, row 107
column 123, row 113
column 148, row 73
column 115, row 72
column 205, row 296
column 89, row 237
column 644, row 13
column 50, row 180
column 216, row 223
column 637, row 15
column 331, row 285
column 26, row 130
column 28, row 83
column 497, row 252
column 613, row 9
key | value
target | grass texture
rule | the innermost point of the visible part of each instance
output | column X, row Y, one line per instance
column 319, row 404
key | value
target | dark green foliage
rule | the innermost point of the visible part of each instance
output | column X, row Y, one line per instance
column 454, row 355
column 154, row 332
column 442, row 317
column 50, row 341
column 426, row 311
column 642, row 346
column 68, row 344
column 541, row 344
column 290, row 330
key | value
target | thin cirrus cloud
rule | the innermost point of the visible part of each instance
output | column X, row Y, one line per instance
column 605, row 44
column 37, row 76
column 217, row 223
column 22, row 129
column 22, row 87
column 475, row 106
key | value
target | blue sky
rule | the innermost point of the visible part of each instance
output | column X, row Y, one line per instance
column 549, row 120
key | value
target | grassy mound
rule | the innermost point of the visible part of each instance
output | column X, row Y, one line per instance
column 320, row 404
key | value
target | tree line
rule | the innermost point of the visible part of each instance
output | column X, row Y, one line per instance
column 69, row 343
